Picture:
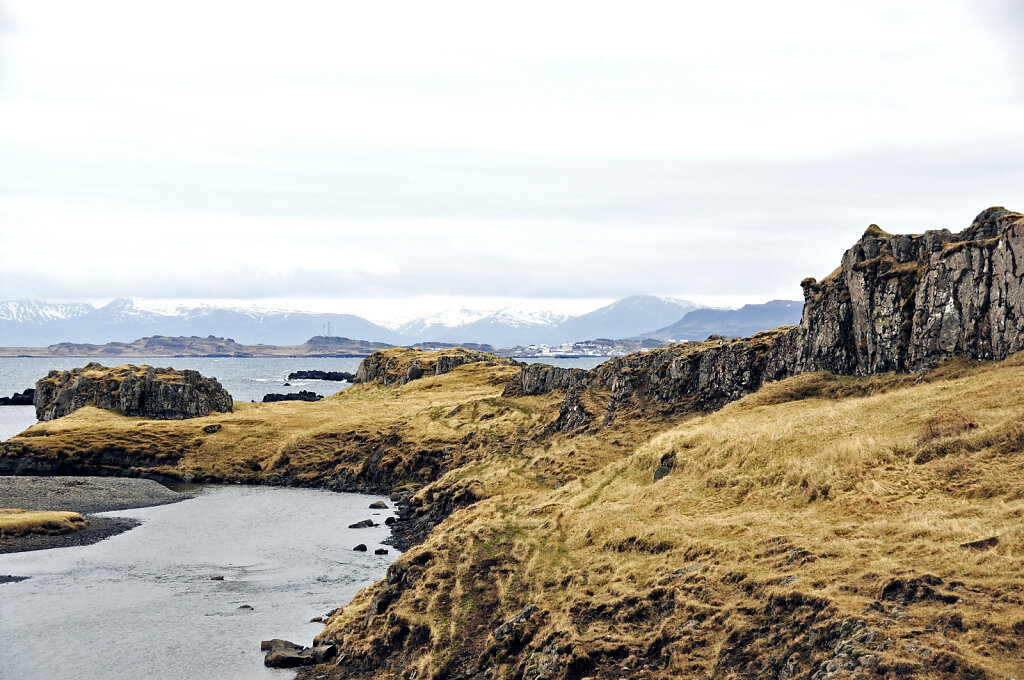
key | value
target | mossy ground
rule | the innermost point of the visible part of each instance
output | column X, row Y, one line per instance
column 815, row 524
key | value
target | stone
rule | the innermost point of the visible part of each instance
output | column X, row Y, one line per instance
column 364, row 524
column 507, row 629
column 983, row 544
column 389, row 521
column 378, row 505
column 246, row 606
column 380, row 551
column 360, row 548
column 285, row 658
column 210, row 429
column 218, row 577
column 278, row 643
column 161, row 393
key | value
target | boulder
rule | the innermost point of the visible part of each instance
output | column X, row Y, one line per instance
column 378, row 505
column 360, row 548
column 161, row 393
column 364, row 524
column 380, row 551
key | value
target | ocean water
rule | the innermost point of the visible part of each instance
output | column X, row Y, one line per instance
column 142, row 604
column 245, row 379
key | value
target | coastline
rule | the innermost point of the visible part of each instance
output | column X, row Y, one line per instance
column 85, row 495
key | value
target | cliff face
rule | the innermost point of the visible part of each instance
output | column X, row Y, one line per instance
column 901, row 303
column 896, row 303
column 161, row 393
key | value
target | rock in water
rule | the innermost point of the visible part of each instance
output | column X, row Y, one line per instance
column 161, row 393
column 19, row 398
column 336, row 376
column 301, row 395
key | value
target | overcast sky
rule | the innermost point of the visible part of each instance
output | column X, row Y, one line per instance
column 330, row 153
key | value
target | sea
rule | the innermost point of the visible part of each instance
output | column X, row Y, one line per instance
column 246, row 379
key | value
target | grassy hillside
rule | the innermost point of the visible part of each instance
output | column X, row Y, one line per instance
column 814, row 529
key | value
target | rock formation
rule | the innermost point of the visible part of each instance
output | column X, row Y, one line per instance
column 896, row 303
column 400, row 365
column 161, row 393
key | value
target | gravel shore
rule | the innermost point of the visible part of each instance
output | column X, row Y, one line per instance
column 85, row 495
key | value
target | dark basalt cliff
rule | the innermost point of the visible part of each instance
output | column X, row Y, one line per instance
column 896, row 303
column 161, row 393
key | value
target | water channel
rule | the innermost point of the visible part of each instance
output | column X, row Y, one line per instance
column 144, row 604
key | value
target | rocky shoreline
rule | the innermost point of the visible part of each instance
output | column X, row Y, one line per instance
column 85, row 495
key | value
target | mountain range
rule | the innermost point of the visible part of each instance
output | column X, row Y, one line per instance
column 31, row 323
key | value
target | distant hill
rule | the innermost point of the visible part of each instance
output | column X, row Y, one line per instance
column 620, row 319
column 31, row 323
column 194, row 346
column 742, row 322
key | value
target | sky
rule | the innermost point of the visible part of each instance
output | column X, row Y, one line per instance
column 343, row 157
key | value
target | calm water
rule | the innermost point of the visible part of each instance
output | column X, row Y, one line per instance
column 245, row 379
column 142, row 604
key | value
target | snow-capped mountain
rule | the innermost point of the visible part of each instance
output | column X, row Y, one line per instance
column 504, row 327
column 33, row 312
column 30, row 323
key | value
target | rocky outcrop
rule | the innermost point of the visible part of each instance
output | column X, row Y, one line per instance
column 336, row 376
column 19, row 398
column 896, row 303
column 902, row 303
column 161, row 393
column 543, row 378
column 301, row 395
column 401, row 365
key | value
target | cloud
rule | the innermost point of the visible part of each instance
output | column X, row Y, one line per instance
column 462, row 149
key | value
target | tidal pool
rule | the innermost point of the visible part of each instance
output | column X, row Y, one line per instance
column 144, row 604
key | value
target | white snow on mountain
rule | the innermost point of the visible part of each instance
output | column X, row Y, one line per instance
column 33, row 311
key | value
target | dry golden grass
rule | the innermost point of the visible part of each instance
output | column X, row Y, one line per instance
column 818, row 515
column 15, row 522
column 778, row 518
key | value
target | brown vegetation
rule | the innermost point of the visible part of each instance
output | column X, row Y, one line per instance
column 14, row 522
column 822, row 527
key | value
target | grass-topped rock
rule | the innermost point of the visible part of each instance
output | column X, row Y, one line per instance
column 161, row 393
column 17, row 522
